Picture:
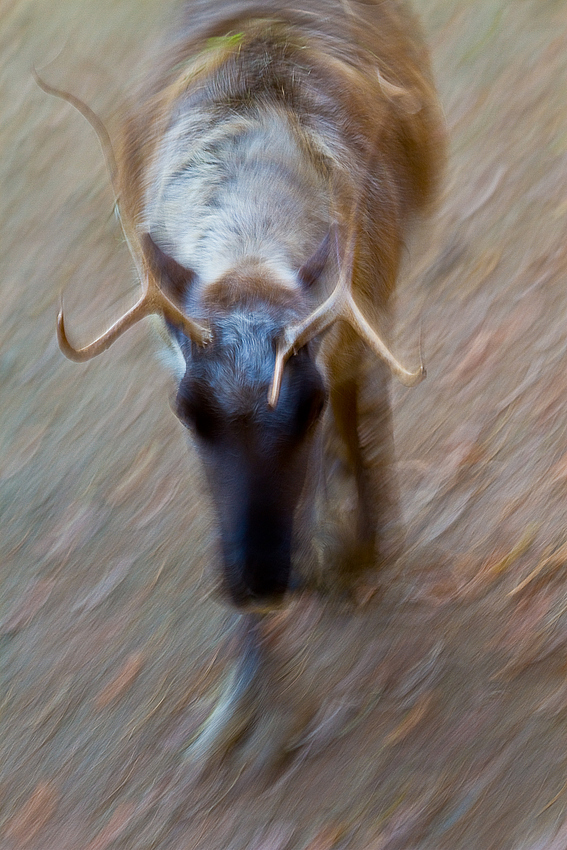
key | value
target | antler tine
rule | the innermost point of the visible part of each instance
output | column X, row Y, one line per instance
column 152, row 301
column 81, row 355
column 158, row 302
column 296, row 336
column 339, row 305
column 106, row 146
column 355, row 318
column 274, row 393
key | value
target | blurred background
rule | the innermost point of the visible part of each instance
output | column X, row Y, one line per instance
column 439, row 708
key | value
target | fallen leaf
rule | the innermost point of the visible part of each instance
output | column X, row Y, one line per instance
column 547, row 567
column 523, row 544
column 410, row 721
column 34, row 814
column 495, row 566
column 326, row 838
column 115, row 826
column 554, row 799
column 122, row 680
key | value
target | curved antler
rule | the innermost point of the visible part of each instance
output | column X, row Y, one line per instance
column 339, row 305
column 153, row 300
column 91, row 117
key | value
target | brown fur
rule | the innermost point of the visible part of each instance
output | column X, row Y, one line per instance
column 249, row 284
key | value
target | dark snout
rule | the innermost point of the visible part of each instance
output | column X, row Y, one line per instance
column 255, row 456
column 255, row 501
column 256, row 550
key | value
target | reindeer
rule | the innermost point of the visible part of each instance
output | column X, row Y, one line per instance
column 265, row 179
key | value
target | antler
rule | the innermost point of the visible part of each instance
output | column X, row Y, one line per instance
column 153, row 300
column 339, row 305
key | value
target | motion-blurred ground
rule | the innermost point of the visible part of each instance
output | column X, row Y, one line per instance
column 440, row 708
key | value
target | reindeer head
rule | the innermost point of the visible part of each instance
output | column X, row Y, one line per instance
column 251, row 396
column 255, row 455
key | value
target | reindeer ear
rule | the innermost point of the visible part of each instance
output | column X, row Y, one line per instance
column 312, row 270
column 174, row 278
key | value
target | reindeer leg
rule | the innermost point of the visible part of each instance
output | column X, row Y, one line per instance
column 379, row 513
column 238, row 705
column 363, row 422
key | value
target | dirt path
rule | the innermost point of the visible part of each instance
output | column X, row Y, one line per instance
column 441, row 707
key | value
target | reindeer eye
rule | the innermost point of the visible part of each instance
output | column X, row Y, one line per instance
column 205, row 424
column 198, row 414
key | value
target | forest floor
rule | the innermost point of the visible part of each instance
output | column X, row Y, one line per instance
column 438, row 709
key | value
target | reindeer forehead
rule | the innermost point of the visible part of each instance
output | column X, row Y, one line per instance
column 241, row 355
column 236, row 369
